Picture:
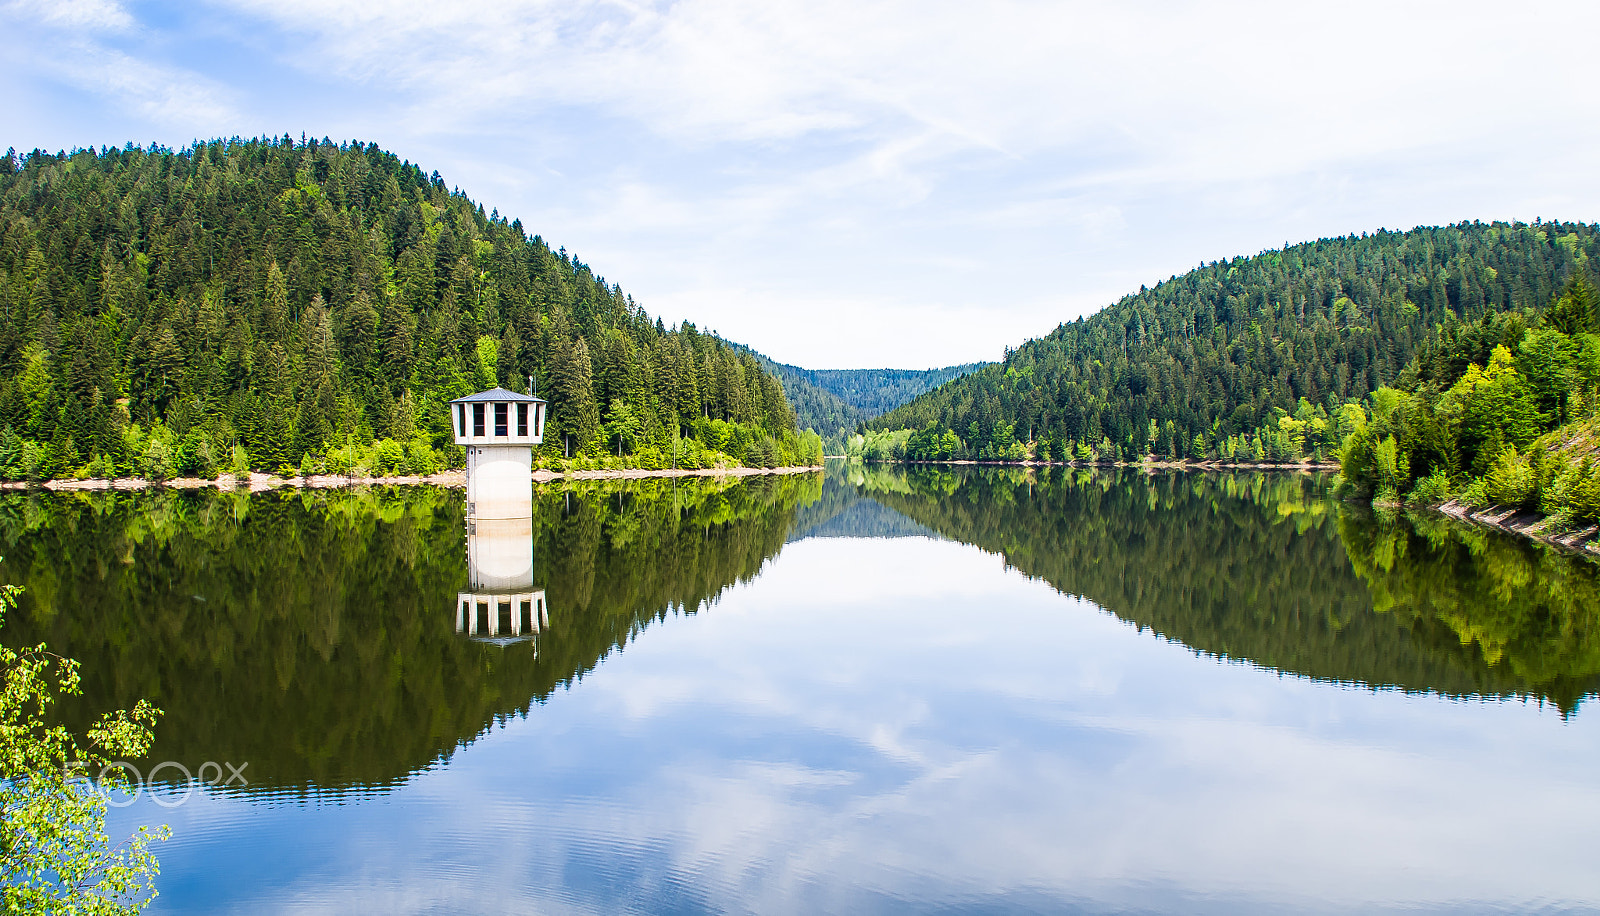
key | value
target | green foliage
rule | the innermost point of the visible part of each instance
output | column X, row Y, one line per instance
column 55, row 856
column 1388, row 465
column 888, row 445
column 488, row 362
column 1476, row 495
column 930, row 444
column 1510, row 480
column 1227, row 351
column 1578, row 309
column 1582, row 491
column 1501, row 408
column 168, row 312
column 1430, row 490
column 1490, row 408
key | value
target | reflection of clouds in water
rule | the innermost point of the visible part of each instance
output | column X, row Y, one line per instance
column 879, row 725
column 1048, row 745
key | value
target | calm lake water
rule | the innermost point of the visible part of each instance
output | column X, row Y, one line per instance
column 871, row 691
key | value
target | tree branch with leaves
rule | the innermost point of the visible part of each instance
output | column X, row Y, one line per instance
column 55, row 855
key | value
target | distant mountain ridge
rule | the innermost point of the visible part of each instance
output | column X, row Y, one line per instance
column 833, row 402
column 876, row 390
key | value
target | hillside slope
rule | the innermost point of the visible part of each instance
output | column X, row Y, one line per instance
column 816, row 408
column 876, row 391
column 1201, row 363
column 266, row 303
column 833, row 402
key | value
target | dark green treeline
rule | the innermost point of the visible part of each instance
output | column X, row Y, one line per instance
column 1267, row 569
column 1204, row 365
column 312, row 633
column 266, row 303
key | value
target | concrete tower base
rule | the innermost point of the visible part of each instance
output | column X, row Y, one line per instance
column 499, row 481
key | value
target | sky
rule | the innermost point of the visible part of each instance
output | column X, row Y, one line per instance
column 867, row 184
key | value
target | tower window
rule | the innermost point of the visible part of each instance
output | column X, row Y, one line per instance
column 522, row 419
column 477, row 419
column 500, row 414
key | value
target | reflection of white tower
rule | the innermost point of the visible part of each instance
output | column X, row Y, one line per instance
column 502, row 619
column 499, row 429
column 500, row 554
column 502, row 605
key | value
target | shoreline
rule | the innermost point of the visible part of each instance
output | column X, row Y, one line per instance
column 1182, row 464
column 260, row 483
column 1584, row 541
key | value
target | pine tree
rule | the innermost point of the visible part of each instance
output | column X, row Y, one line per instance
column 574, row 416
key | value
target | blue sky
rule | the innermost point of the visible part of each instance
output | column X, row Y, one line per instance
column 850, row 184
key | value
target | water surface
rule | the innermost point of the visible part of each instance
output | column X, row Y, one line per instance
column 880, row 692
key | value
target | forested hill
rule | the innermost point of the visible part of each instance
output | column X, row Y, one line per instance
column 268, row 303
column 816, row 408
column 1193, row 364
column 835, row 401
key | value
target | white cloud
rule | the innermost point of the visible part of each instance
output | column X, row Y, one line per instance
column 164, row 95
column 76, row 43
column 93, row 15
column 1179, row 82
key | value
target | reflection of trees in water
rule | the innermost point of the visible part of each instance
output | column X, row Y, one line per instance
column 843, row 510
column 1521, row 610
column 312, row 633
column 1266, row 568
column 616, row 557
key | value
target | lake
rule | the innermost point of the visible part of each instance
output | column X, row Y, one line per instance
column 875, row 690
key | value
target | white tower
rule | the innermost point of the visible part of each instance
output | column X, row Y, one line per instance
column 499, row 429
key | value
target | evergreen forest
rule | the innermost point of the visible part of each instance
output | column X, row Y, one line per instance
column 1247, row 358
column 1498, row 412
column 836, row 402
column 308, row 307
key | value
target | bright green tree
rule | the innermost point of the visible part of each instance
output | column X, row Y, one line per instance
column 1492, row 405
column 623, row 425
column 55, row 856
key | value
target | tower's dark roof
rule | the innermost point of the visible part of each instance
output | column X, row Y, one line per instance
column 497, row 394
